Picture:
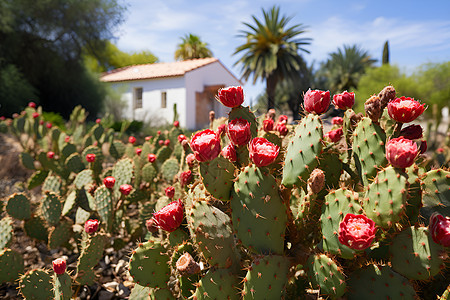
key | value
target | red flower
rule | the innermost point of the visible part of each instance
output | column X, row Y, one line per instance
column 185, row 177
column 337, row 121
column 268, row 125
column 161, row 142
column 344, row 101
column 170, row 191
column 439, row 228
column 158, row 132
column 176, row 124
column 239, row 132
column 125, row 189
column 98, row 121
column 412, row 132
column 90, row 158
column 151, row 157
column 335, row 135
column 423, row 147
column 282, row 129
column 262, row 152
column 401, row 152
column 50, row 154
column 35, row 115
column 283, row 119
column 109, row 182
column 131, row 140
column 167, row 142
column 316, row 101
column 181, row 138
column 48, row 125
column 170, row 216
column 91, row 226
column 405, row 110
column 221, row 130
column 357, row 231
column 229, row 152
column 59, row 266
column 32, row 104
column 205, row 145
column 232, row 96
column 190, row 160
column 138, row 151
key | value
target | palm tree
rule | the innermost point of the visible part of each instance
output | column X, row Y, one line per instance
column 272, row 50
column 344, row 68
column 192, row 47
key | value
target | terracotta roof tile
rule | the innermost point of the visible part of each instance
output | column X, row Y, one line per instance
column 157, row 70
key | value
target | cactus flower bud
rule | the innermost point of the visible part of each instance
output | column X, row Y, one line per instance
column 262, row 152
column 282, row 129
column 185, row 177
column 229, row 152
column 337, row 121
column 98, row 121
column 151, row 226
column 138, row 151
column 67, row 139
column 90, row 157
column 181, row 138
column 238, row 131
column 59, row 266
column 386, row 95
column 169, row 218
column 190, row 160
column 412, row 132
column 268, row 125
column 186, row 265
column 423, row 147
column 344, row 101
column 48, row 125
column 32, row 104
column 316, row 101
column 132, row 140
column 205, row 145
column 439, row 228
column 282, row 119
column 109, row 182
column 405, row 109
column 170, row 192
column 176, row 124
column 35, row 115
column 221, row 130
column 161, row 142
column 232, row 96
column 316, row 181
column 356, row 231
column 91, row 226
column 167, row 142
column 401, row 152
column 50, row 154
column 373, row 108
column 148, row 138
column 125, row 189
column 151, row 157
column 335, row 135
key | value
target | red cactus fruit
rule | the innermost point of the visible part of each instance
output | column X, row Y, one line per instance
column 151, row 226
column 50, row 154
column 59, row 266
column 151, row 157
column 221, row 130
column 132, row 140
column 205, row 145
column 405, row 109
column 181, row 138
column 357, row 231
column 401, row 152
column 185, row 177
column 158, row 132
column 138, row 151
column 439, row 228
column 41, row 122
column 335, row 135
column 98, row 121
column 169, row 218
column 90, row 157
column 167, row 142
column 282, row 129
column 2, row 118
column 125, row 189
column 170, row 192
column 161, row 142
column 148, row 138
column 423, row 147
column 316, row 101
column 32, row 104
column 268, row 125
column 109, row 182
column 238, row 131
column 412, row 132
column 176, row 124
column 190, row 160
column 232, row 96
column 229, row 152
column 35, row 115
column 91, row 226
column 344, row 101
column 337, row 121
column 67, row 139
column 283, row 119
column 48, row 125
column 262, row 152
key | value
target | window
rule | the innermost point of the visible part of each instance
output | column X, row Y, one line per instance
column 163, row 99
column 138, row 98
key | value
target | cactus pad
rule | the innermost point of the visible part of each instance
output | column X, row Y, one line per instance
column 91, row 252
column 36, row 228
column 148, row 172
column 83, row 178
column 169, row 169
column 6, row 231
column 27, row 161
column 104, row 205
column 219, row 170
column 61, row 234
column 117, row 149
column 51, row 208
column 19, row 207
column 62, row 286
column 37, row 179
column 123, row 173
column 74, row 163
column 325, row 274
column 36, row 284
column 11, row 265
column 246, row 114
column 217, row 284
column 52, row 184
column 436, row 193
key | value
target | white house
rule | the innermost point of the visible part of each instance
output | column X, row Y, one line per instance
column 151, row 90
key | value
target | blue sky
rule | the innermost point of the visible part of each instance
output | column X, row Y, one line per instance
column 418, row 31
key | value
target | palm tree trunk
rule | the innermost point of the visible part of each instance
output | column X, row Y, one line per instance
column 271, row 83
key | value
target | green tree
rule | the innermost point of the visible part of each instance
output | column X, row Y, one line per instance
column 191, row 47
column 271, row 50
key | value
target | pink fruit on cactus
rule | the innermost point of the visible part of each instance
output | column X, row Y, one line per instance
column 125, row 189
column 109, row 182
column 356, row 231
column 337, row 121
column 344, row 101
column 59, row 266
column 169, row 218
column 90, row 157
column 229, row 152
column 412, row 132
column 190, row 160
column 138, row 151
column 131, row 140
column 170, row 192
column 50, row 154
column 205, row 145
column 35, row 115
column 316, row 101
column 439, row 228
column 32, row 104
column 401, row 152
column 158, row 132
column 238, row 131
column 176, row 124
column 232, row 96
column 335, row 135
column 91, row 226
column 405, row 109
column 151, row 157
column 268, row 125
column 262, row 152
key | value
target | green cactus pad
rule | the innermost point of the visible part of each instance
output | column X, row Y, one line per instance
column 61, row 234
column 436, row 193
column 246, row 114
column 19, row 207
column 11, row 265
column 338, row 204
column 85, row 200
column 46, row 163
column 379, row 282
column 104, row 205
column 68, row 150
column 51, row 208
column 177, row 237
column 218, row 284
column 36, row 228
column 62, row 286
column 37, row 179
column 163, row 154
column 27, row 161
column 97, row 130
column 258, row 213
column 74, row 163
column 266, row 278
column 81, row 216
column 117, row 149
column 325, row 274
column 149, row 172
column 36, row 284
column 331, row 165
column 302, row 154
column 161, row 294
column 414, row 198
column 217, row 176
column 415, row 255
column 69, row 203
column 212, row 232
column 130, row 150
column 91, row 253
column 386, row 196
column 149, row 265
column 123, row 173
column 169, row 169
column 369, row 149
column 387, row 123
column 83, row 178
column 6, row 232
column 139, row 292
column 52, row 184
column 97, row 167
